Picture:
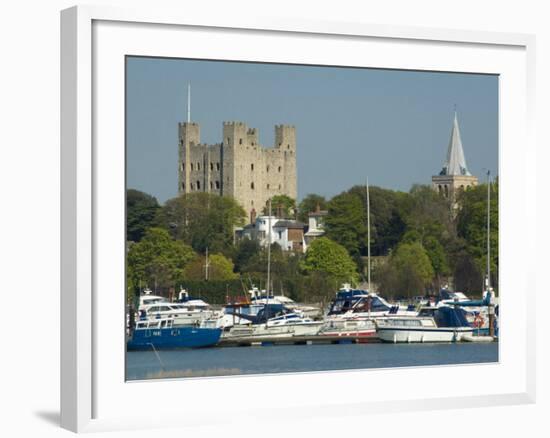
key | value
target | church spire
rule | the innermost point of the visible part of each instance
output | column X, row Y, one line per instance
column 456, row 163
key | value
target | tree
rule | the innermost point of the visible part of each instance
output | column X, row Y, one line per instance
column 219, row 268
column 387, row 222
column 472, row 226
column 330, row 258
column 246, row 249
column 309, row 204
column 285, row 203
column 202, row 220
column 409, row 272
column 141, row 210
column 157, row 259
column 345, row 222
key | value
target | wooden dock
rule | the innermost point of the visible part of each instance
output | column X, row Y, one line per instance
column 248, row 341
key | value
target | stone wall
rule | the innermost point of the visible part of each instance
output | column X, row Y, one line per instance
column 239, row 166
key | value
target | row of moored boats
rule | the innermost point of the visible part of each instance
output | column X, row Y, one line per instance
column 354, row 314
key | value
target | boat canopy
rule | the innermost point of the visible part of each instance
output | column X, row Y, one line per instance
column 446, row 316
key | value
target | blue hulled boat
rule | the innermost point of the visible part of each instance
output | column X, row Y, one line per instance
column 161, row 334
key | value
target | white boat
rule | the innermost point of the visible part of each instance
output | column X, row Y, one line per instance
column 443, row 324
column 258, row 296
column 362, row 329
column 190, row 311
column 274, row 320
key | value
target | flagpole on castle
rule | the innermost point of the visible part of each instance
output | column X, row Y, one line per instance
column 189, row 102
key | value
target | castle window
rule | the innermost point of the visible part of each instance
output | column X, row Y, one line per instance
column 192, row 186
column 211, row 185
column 198, row 166
column 240, row 141
column 279, row 169
column 279, row 186
column 252, row 185
column 267, row 168
column 191, row 166
column 198, row 185
column 268, row 187
column 217, row 166
column 227, row 140
column 288, row 146
column 211, row 166
column 182, row 166
column 252, row 166
column 183, row 186
column 217, row 184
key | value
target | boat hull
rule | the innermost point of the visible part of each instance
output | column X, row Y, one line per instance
column 174, row 337
column 401, row 335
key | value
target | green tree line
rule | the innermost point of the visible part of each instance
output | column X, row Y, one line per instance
column 421, row 240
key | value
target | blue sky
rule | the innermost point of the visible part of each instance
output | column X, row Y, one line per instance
column 391, row 126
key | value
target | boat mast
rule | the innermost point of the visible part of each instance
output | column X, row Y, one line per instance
column 268, row 259
column 368, row 236
column 206, row 266
column 491, row 302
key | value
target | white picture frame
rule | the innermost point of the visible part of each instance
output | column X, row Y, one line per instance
column 93, row 397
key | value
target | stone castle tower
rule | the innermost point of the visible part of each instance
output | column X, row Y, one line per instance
column 455, row 175
column 238, row 166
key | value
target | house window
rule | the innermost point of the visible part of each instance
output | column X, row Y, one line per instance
column 280, row 235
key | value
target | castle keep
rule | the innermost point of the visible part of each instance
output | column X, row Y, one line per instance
column 238, row 166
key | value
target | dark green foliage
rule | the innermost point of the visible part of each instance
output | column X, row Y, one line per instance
column 472, row 226
column 141, row 210
column 345, row 222
column 157, row 260
column 285, row 203
column 309, row 204
column 202, row 220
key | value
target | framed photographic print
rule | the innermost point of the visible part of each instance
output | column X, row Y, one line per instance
column 293, row 208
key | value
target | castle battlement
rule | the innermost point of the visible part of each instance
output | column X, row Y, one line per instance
column 238, row 166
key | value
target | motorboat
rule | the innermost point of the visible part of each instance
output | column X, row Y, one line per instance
column 355, row 303
column 187, row 311
column 163, row 333
column 274, row 320
column 361, row 329
column 432, row 324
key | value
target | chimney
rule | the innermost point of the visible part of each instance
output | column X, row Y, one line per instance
column 252, row 216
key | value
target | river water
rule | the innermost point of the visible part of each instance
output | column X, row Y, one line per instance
column 295, row 358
